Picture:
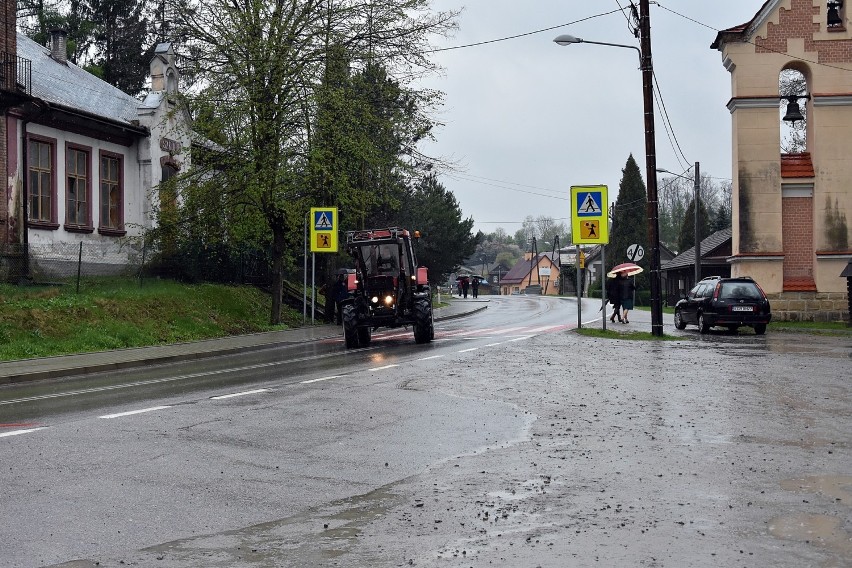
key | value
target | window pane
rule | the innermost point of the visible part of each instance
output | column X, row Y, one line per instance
column 44, row 156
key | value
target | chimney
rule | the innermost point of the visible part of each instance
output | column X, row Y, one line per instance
column 59, row 45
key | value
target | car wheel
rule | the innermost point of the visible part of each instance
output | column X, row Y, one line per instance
column 760, row 328
column 703, row 326
column 678, row 319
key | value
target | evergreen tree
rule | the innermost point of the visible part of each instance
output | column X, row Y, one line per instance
column 446, row 237
column 629, row 219
column 686, row 238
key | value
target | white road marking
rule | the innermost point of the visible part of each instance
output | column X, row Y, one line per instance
column 385, row 367
column 521, row 338
column 320, row 379
column 471, row 349
column 494, row 344
column 132, row 412
column 19, row 432
column 244, row 393
column 430, row 358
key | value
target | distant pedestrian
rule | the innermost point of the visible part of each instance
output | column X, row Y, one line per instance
column 459, row 285
column 613, row 294
column 475, row 287
column 465, row 286
column 340, row 293
column 628, row 288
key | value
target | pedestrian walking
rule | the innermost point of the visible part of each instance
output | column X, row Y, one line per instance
column 613, row 294
column 627, row 287
column 340, row 293
column 465, row 286
column 475, row 287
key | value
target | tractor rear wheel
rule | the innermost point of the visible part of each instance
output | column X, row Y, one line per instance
column 424, row 328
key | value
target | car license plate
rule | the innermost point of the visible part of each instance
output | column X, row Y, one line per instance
column 742, row 309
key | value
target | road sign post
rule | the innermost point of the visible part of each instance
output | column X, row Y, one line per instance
column 589, row 225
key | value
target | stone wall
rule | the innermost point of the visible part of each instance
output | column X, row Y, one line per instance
column 809, row 306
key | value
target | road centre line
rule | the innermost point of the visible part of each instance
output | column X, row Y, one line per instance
column 467, row 350
column 494, row 344
column 244, row 393
column 520, row 338
column 132, row 412
column 172, row 379
column 19, row 432
column 383, row 368
column 430, row 358
column 320, row 379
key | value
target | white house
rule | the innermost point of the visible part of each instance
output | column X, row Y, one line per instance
column 84, row 160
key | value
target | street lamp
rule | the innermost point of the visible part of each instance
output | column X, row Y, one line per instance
column 647, row 68
column 696, row 182
column 567, row 39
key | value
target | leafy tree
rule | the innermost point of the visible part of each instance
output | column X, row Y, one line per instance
column 629, row 218
column 261, row 78
column 446, row 237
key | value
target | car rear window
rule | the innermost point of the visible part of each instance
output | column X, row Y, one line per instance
column 739, row 291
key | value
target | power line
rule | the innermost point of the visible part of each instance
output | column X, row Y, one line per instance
column 436, row 50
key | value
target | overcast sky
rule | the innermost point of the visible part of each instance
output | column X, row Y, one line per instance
column 525, row 118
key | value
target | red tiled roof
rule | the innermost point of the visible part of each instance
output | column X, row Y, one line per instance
column 805, row 284
column 797, row 165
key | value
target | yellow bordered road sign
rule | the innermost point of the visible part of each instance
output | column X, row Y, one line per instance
column 323, row 223
column 589, row 215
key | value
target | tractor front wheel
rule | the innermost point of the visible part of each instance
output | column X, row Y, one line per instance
column 424, row 328
column 351, row 334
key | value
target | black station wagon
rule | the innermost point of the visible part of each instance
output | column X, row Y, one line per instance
column 724, row 302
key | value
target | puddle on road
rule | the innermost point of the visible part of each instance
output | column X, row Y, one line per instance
column 823, row 531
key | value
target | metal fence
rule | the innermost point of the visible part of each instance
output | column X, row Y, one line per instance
column 76, row 263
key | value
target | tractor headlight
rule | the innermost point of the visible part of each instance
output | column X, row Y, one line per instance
column 388, row 300
column 375, row 299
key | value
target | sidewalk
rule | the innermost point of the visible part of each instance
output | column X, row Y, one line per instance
column 66, row 365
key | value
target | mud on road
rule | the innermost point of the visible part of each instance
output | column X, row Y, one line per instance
column 721, row 451
column 708, row 451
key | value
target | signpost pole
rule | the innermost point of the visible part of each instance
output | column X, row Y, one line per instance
column 603, row 285
column 313, row 286
column 579, row 298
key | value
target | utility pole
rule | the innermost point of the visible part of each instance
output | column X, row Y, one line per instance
column 651, row 167
column 697, row 200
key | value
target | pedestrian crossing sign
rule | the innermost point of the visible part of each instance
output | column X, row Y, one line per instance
column 323, row 224
column 589, row 214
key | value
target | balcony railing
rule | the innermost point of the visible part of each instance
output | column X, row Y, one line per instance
column 16, row 74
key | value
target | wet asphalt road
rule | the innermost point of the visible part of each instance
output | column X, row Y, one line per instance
column 498, row 446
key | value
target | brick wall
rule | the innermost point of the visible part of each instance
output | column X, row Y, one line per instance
column 797, row 23
column 9, row 45
column 798, row 236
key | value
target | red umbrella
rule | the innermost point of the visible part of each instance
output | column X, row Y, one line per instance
column 627, row 268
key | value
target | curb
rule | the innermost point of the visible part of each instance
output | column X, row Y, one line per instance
column 175, row 357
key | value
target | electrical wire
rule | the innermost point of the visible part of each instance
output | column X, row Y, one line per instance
column 673, row 141
column 486, row 42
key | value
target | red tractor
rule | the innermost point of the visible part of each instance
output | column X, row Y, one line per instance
column 388, row 289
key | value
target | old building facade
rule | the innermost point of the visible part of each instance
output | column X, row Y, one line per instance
column 792, row 211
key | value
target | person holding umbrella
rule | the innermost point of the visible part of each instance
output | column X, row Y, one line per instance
column 613, row 294
column 627, row 288
column 624, row 287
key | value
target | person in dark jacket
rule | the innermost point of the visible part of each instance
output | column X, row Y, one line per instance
column 627, row 289
column 613, row 294
column 475, row 287
column 340, row 293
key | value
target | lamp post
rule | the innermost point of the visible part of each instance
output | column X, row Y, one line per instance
column 696, row 183
column 647, row 68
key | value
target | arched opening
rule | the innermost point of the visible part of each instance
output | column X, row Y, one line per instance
column 793, row 110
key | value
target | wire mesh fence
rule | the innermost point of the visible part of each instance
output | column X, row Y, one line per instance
column 78, row 263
